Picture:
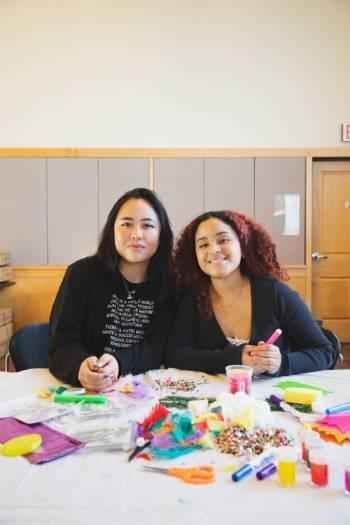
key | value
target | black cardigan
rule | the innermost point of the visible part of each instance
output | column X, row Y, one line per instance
column 196, row 343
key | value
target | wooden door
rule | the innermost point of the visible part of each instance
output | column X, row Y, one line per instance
column 331, row 246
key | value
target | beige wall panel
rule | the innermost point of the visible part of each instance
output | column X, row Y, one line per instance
column 72, row 209
column 277, row 177
column 23, row 210
column 229, row 184
column 180, row 185
column 116, row 176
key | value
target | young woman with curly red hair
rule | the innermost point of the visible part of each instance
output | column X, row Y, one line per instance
column 233, row 299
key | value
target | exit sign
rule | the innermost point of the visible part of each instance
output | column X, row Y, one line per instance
column 346, row 132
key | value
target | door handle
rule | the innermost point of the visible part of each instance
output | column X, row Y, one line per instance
column 318, row 257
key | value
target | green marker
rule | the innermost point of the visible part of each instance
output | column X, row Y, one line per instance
column 61, row 398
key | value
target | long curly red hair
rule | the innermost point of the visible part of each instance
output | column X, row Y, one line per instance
column 258, row 255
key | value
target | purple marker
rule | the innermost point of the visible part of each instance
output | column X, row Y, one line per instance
column 287, row 407
column 266, row 471
column 273, row 337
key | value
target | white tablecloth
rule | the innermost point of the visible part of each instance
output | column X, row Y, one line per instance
column 100, row 487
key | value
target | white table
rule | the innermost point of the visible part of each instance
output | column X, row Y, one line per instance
column 101, row 487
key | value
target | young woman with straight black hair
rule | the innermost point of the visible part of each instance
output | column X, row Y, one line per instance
column 112, row 312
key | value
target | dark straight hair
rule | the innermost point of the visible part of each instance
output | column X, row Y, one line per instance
column 159, row 266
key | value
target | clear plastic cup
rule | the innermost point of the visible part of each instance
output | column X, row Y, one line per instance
column 240, row 378
column 318, row 458
column 347, row 477
column 286, row 459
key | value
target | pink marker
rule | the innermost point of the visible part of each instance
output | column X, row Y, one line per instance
column 273, row 337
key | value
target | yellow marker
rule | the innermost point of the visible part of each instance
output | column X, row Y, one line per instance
column 21, row 445
column 286, row 457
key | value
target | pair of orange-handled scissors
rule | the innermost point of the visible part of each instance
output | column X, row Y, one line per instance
column 196, row 475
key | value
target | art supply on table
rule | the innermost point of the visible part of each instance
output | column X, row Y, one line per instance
column 304, row 435
column 200, row 475
column 252, row 466
column 266, row 471
column 334, row 427
column 198, row 407
column 54, row 444
column 287, row 383
column 301, row 395
column 344, row 407
column 312, row 442
column 138, row 450
column 240, row 378
column 287, row 408
column 62, row 398
column 286, row 459
column 347, row 477
column 21, row 445
column 32, row 409
column 273, row 337
column 181, row 401
column 304, row 409
column 237, row 441
column 73, row 391
column 318, row 459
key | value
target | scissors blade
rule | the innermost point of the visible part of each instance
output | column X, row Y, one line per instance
column 156, row 469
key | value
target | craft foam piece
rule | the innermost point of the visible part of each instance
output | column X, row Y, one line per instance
column 54, row 444
column 303, row 396
column 295, row 384
column 339, row 422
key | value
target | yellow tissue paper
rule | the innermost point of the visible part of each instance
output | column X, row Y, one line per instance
column 246, row 418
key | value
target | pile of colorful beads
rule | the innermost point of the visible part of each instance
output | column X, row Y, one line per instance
column 237, row 441
column 179, row 385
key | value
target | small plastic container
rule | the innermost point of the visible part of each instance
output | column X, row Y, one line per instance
column 311, row 443
column 347, row 477
column 240, row 378
column 318, row 459
column 286, row 459
column 304, row 435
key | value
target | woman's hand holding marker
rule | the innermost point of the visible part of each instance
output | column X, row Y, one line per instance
column 266, row 357
column 98, row 374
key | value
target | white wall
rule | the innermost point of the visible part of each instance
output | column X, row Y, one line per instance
column 174, row 73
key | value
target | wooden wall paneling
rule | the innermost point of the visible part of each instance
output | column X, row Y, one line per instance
column 33, row 294
column 297, row 280
column 229, row 184
column 23, row 210
column 72, row 209
column 180, row 184
column 115, row 177
column 274, row 176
